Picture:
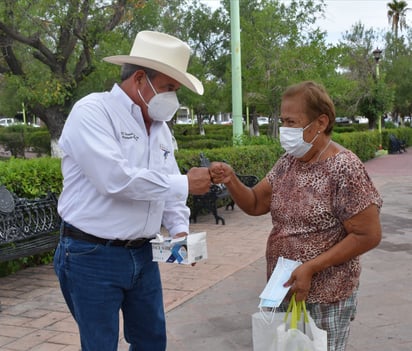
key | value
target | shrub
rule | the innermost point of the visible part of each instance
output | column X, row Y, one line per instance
column 254, row 159
column 13, row 139
column 31, row 178
column 39, row 141
column 19, row 138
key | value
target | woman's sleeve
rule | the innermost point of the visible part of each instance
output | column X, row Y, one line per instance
column 355, row 190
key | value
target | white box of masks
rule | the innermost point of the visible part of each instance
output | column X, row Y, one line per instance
column 183, row 250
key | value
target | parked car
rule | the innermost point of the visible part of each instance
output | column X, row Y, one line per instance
column 183, row 121
column 361, row 120
column 261, row 120
column 227, row 121
column 343, row 120
column 183, row 115
column 7, row 121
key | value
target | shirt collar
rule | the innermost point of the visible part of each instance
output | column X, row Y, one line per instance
column 124, row 99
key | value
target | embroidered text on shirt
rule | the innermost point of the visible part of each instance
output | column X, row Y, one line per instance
column 126, row 135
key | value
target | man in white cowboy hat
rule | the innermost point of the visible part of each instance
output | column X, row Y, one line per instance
column 121, row 184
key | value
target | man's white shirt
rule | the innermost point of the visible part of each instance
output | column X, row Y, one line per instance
column 120, row 182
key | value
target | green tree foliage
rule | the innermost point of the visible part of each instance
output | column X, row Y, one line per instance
column 272, row 48
column 52, row 50
column 397, row 15
column 398, row 67
column 52, row 55
column 367, row 95
column 281, row 45
column 208, row 35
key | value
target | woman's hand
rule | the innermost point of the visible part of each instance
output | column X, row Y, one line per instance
column 300, row 281
column 220, row 172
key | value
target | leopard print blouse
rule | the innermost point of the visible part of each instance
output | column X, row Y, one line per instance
column 310, row 202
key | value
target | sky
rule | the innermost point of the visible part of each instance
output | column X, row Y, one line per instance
column 341, row 15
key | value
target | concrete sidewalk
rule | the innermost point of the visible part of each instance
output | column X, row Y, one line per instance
column 220, row 318
column 209, row 306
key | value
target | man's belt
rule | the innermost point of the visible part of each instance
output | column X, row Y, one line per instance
column 75, row 233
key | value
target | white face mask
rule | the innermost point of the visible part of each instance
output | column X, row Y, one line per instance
column 162, row 106
column 274, row 291
column 291, row 139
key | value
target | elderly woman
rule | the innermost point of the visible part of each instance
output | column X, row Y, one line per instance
column 324, row 207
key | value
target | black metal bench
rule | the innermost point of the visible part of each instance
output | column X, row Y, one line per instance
column 27, row 226
column 396, row 145
column 217, row 194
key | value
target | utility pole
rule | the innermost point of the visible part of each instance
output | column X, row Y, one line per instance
column 377, row 55
column 237, row 117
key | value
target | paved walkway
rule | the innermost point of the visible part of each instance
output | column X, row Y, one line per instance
column 209, row 306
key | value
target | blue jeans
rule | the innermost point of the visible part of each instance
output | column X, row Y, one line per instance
column 97, row 281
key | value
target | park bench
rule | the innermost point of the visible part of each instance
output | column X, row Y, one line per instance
column 396, row 145
column 27, row 226
column 217, row 194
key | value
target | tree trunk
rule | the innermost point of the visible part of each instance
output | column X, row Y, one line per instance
column 256, row 131
column 54, row 118
column 371, row 122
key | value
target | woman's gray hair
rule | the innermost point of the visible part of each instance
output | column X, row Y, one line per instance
column 128, row 69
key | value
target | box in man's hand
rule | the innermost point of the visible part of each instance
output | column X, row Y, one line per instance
column 184, row 250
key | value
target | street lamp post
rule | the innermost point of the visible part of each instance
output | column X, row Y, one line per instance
column 377, row 55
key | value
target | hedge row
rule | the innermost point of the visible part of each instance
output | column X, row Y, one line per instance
column 33, row 177
column 19, row 138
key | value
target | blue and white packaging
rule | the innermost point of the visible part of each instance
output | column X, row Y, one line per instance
column 183, row 250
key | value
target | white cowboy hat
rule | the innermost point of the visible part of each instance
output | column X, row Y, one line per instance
column 163, row 53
